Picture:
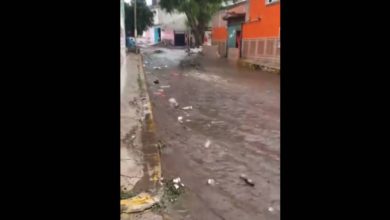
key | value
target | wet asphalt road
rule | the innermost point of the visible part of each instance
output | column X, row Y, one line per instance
column 238, row 111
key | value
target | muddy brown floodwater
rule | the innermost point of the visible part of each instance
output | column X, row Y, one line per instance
column 238, row 111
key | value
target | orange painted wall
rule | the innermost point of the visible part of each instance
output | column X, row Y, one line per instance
column 269, row 24
column 219, row 33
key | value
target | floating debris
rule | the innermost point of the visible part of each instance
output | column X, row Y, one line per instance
column 211, row 182
column 159, row 94
column 176, row 180
column 180, row 119
column 217, row 122
column 173, row 102
column 247, row 180
column 207, row 144
column 187, row 108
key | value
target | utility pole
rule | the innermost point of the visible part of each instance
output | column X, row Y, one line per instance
column 135, row 24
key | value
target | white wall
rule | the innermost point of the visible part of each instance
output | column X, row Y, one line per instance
column 123, row 45
column 174, row 21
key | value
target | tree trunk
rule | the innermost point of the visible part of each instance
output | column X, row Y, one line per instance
column 198, row 34
column 197, row 29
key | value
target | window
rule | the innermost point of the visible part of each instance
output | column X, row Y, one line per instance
column 268, row 2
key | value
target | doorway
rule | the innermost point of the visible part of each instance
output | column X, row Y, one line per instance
column 157, row 35
column 180, row 39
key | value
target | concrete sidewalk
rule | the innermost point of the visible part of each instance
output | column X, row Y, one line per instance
column 131, row 145
column 135, row 165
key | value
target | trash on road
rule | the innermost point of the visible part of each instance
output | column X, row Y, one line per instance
column 180, row 119
column 188, row 120
column 160, row 90
column 159, row 94
column 165, row 86
column 173, row 102
column 166, row 66
column 176, row 186
column 160, row 145
column 211, row 182
column 196, row 50
column 207, row 144
column 217, row 122
column 247, row 180
column 176, row 180
column 187, row 108
column 158, row 51
column 156, row 81
column 270, row 209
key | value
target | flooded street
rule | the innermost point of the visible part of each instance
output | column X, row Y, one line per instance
column 233, row 128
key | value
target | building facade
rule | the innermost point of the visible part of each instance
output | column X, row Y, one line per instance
column 226, row 28
column 261, row 33
column 249, row 30
column 169, row 28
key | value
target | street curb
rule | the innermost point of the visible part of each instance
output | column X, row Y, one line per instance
column 252, row 65
column 144, row 89
column 150, row 121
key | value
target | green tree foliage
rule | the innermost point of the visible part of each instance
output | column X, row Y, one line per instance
column 144, row 17
column 198, row 12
